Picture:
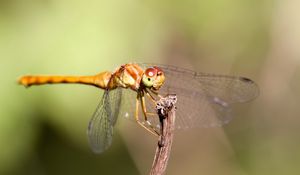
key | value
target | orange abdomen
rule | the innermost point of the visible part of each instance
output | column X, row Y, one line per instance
column 100, row 80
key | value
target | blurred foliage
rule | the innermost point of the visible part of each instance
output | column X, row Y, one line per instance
column 42, row 129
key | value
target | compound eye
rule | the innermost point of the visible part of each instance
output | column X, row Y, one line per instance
column 158, row 70
column 151, row 72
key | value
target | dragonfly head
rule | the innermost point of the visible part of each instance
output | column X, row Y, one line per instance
column 153, row 78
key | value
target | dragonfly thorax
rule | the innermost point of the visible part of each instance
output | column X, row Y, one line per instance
column 127, row 76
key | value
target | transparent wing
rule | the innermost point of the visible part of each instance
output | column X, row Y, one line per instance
column 100, row 128
column 232, row 89
column 128, row 104
column 115, row 99
column 205, row 100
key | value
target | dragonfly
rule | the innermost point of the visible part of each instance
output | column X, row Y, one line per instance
column 132, row 90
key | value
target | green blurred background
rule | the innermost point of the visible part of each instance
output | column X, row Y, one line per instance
column 43, row 129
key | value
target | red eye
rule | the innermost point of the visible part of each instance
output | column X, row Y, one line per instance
column 159, row 71
column 151, row 72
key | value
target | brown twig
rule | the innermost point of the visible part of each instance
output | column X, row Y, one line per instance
column 166, row 112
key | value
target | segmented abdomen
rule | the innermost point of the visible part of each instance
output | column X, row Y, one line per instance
column 100, row 80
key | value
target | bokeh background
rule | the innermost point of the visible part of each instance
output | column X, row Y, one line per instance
column 43, row 129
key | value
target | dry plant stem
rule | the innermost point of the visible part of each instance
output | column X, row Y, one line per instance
column 167, row 120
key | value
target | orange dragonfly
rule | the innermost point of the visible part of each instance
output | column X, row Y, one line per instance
column 204, row 100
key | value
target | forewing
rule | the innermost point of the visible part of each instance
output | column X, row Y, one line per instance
column 205, row 100
column 100, row 128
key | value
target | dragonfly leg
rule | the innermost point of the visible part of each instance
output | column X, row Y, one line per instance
column 152, row 100
column 156, row 93
column 137, row 118
column 150, row 96
column 145, row 115
column 151, row 113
